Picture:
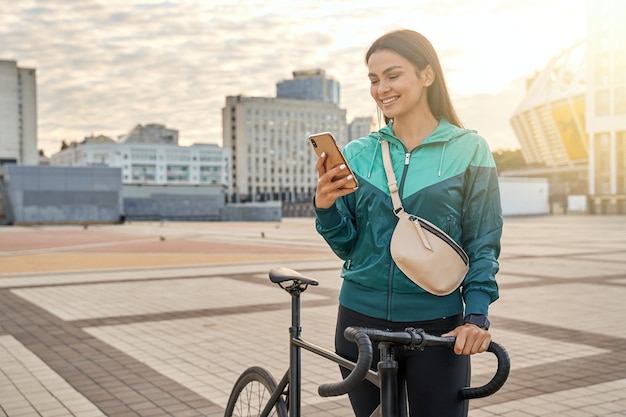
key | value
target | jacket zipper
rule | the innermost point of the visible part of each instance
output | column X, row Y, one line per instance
column 390, row 292
column 407, row 158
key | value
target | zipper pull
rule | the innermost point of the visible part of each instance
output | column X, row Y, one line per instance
column 407, row 157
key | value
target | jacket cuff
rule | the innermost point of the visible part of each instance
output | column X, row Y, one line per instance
column 477, row 302
column 327, row 218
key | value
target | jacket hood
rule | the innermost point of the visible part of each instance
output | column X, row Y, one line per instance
column 444, row 132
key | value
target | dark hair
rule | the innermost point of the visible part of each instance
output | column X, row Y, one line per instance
column 419, row 51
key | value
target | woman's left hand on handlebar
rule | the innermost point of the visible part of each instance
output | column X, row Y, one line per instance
column 470, row 339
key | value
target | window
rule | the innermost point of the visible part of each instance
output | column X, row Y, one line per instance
column 209, row 157
column 602, row 102
column 178, row 156
column 177, row 173
column 602, row 163
column 620, row 100
column 143, row 173
column 143, row 154
column 620, row 155
column 210, row 174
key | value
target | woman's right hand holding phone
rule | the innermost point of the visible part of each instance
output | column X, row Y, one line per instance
column 328, row 190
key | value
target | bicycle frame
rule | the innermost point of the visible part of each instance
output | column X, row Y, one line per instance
column 291, row 382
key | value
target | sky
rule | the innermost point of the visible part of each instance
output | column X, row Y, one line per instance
column 104, row 66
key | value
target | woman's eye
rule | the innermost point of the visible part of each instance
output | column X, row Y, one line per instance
column 374, row 82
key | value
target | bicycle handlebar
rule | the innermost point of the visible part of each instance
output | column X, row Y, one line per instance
column 497, row 381
column 411, row 339
column 363, row 363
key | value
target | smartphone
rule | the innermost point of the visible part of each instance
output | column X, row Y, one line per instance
column 325, row 142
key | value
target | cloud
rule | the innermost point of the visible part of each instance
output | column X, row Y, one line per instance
column 105, row 66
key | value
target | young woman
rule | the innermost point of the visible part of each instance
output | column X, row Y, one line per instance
column 446, row 174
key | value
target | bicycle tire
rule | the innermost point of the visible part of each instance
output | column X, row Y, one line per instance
column 251, row 393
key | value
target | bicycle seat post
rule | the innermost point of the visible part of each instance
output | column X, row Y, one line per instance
column 295, row 363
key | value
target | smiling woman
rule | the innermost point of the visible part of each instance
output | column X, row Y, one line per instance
column 446, row 175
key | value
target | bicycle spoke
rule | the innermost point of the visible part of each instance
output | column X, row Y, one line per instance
column 252, row 399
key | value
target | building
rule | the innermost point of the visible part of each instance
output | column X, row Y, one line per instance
column 310, row 85
column 360, row 127
column 550, row 126
column 550, row 121
column 571, row 124
column 151, row 133
column 18, row 114
column 151, row 162
column 272, row 159
column 160, row 180
column 606, row 105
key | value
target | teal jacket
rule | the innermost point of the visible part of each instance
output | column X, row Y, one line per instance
column 450, row 180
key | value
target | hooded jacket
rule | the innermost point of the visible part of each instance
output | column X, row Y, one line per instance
column 450, row 179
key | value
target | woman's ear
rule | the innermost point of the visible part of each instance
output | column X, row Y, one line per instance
column 428, row 75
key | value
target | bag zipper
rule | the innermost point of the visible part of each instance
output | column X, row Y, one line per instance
column 437, row 232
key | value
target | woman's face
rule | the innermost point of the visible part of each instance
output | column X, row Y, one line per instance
column 395, row 84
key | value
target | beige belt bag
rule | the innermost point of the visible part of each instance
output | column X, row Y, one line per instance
column 426, row 254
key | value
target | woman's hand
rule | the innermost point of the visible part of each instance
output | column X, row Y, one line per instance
column 328, row 190
column 470, row 339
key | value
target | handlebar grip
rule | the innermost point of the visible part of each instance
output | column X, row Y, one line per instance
column 362, row 366
column 498, row 380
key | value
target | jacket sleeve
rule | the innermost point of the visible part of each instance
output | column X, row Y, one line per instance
column 482, row 230
column 337, row 225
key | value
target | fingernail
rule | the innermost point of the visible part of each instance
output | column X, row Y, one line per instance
column 349, row 177
column 342, row 166
column 323, row 155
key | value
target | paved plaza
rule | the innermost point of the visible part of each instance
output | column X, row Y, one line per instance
column 159, row 319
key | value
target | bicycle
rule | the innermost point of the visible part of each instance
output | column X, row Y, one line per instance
column 256, row 392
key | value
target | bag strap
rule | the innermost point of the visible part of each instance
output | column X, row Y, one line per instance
column 391, row 178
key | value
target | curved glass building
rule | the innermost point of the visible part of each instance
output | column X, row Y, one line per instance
column 571, row 124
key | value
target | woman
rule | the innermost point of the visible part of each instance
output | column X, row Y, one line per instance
column 446, row 174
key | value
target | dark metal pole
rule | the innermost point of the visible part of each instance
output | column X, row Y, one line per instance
column 388, row 372
column 294, row 357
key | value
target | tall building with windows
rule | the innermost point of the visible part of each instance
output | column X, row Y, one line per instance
column 18, row 114
column 310, row 85
column 272, row 159
column 606, row 105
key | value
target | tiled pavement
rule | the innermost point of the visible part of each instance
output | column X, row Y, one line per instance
column 151, row 319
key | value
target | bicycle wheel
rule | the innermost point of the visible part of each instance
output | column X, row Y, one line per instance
column 251, row 393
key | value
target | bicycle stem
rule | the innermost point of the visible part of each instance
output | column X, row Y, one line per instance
column 388, row 373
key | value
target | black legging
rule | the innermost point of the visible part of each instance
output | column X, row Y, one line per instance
column 433, row 376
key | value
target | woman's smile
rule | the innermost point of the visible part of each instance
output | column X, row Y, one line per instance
column 389, row 100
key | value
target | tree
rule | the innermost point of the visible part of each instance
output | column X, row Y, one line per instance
column 509, row 159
